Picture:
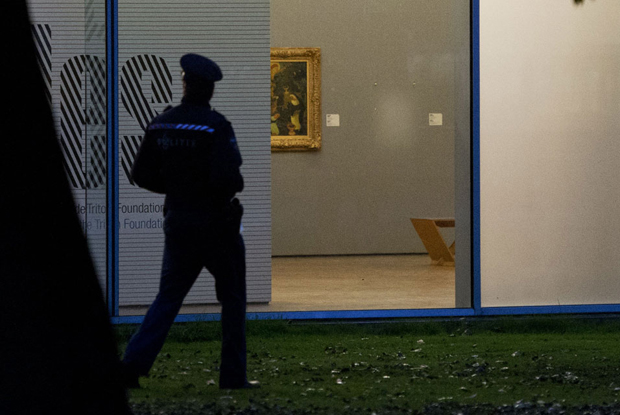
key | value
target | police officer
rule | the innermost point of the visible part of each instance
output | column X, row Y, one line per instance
column 190, row 153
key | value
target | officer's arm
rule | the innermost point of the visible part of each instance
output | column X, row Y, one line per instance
column 147, row 168
column 227, row 161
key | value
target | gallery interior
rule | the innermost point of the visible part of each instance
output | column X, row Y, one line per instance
column 342, row 237
column 397, row 76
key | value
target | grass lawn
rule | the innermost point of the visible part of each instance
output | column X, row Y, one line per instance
column 421, row 366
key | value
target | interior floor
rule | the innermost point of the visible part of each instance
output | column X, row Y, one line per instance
column 368, row 282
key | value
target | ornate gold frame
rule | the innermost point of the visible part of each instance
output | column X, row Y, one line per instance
column 312, row 141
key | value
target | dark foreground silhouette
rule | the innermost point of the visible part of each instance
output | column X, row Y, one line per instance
column 57, row 350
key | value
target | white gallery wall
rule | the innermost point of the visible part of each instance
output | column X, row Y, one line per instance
column 385, row 65
column 550, row 152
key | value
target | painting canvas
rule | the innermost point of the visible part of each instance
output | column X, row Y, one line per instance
column 289, row 92
column 295, row 99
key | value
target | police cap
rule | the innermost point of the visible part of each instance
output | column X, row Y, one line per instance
column 199, row 67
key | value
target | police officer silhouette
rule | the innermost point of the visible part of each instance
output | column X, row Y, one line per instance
column 189, row 152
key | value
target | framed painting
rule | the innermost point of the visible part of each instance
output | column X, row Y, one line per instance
column 295, row 99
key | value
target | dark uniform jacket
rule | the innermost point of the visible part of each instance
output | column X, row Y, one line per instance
column 190, row 153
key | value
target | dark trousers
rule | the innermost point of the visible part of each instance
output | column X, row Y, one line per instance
column 195, row 240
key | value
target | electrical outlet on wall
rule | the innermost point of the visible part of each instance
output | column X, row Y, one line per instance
column 333, row 120
column 435, row 118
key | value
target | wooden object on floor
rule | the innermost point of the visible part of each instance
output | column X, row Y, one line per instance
column 438, row 250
